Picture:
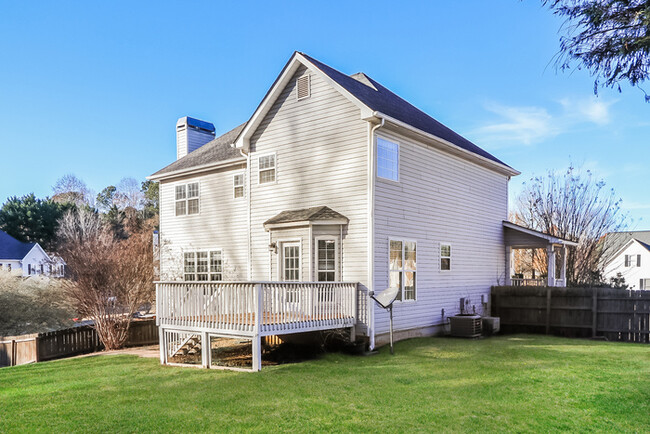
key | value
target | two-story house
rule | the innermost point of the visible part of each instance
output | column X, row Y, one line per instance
column 334, row 187
column 628, row 257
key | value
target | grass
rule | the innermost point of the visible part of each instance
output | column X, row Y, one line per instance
column 506, row 383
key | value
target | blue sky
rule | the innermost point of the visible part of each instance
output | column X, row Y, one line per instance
column 95, row 88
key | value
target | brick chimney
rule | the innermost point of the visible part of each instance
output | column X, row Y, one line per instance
column 191, row 134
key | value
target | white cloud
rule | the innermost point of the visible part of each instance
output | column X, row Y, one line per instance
column 530, row 124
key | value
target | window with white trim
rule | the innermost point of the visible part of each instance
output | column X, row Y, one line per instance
column 326, row 260
column 202, row 266
column 387, row 159
column 632, row 260
column 266, row 169
column 644, row 284
column 291, row 258
column 445, row 256
column 187, row 199
column 402, row 268
column 238, row 185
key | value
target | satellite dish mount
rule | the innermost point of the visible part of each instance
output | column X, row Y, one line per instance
column 386, row 299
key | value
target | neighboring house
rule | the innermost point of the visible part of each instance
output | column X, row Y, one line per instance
column 27, row 259
column 335, row 187
column 628, row 257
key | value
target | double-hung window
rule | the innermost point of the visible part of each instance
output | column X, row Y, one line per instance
column 387, row 159
column 266, row 169
column 445, row 257
column 238, row 185
column 402, row 268
column 187, row 199
column 326, row 260
column 202, row 266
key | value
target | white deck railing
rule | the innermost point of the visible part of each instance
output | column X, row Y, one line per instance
column 518, row 281
column 256, row 308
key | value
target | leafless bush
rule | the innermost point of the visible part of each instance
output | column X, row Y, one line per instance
column 110, row 278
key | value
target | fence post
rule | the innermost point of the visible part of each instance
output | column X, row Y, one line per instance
column 594, row 313
column 14, row 352
column 37, row 350
column 548, row 310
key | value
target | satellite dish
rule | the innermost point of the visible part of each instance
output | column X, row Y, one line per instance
column 386, row 299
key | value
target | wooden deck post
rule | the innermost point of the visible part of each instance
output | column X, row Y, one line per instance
column 161, row 344
column 206, row 351
column 257, row 340
column 508, row 281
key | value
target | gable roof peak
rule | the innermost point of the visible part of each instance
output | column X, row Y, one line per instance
column 363, row 78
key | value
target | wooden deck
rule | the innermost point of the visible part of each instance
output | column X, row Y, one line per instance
column 251, row 309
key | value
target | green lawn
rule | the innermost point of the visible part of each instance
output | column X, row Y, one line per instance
column 512, row 383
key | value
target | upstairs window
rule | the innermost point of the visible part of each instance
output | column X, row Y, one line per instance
column 238, row 186
column 202, row 266
column 266, row 169
column 387, row 159
column 402, row 266
column 632, row 260
column 187, row 199
column 445, row 256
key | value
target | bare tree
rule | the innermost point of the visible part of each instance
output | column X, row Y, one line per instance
column 576, row 207
column 70, row 189
column 110, row 278
column 129, row 194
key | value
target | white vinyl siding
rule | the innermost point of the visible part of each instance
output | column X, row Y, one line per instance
column 321, row 146
column 221, row 223
column 387, row 159
column 439, row 198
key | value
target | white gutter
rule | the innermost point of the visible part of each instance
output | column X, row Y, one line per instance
column 371, row 230
column 249, row 270
column 196, row 169
column 455, row 149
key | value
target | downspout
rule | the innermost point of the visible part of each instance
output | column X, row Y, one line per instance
column 249, row 271
column 371, row 231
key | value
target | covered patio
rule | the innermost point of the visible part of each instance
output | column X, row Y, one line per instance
column 518, row 237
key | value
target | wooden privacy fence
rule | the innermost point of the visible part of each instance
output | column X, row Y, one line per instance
column 19, row 350
column 615, row 314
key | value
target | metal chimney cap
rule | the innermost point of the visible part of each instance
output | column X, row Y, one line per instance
column 196, row 123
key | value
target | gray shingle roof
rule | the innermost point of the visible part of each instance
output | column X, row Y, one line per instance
column 214, row 151
column 614, row 241
column 316, row 213
column 11, row 248
column 379, row 98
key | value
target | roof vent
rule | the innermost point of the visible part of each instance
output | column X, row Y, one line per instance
column 303, row 84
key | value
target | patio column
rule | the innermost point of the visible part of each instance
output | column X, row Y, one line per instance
column 508, row 266
column 563, row 269
column 551, row 265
